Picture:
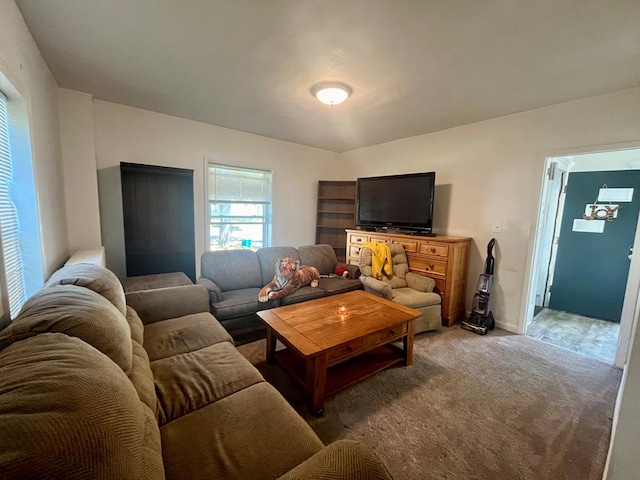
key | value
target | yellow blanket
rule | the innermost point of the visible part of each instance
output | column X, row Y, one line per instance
column 380, row 259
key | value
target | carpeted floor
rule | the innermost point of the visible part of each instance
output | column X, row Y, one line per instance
column 492, row 407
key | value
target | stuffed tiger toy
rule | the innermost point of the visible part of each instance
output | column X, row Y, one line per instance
column 289, row 277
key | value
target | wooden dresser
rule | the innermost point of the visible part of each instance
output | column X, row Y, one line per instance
column 442, row 258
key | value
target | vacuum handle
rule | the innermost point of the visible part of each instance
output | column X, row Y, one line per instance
column 490, row 262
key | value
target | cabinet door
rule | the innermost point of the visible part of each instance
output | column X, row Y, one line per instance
column 157, row 206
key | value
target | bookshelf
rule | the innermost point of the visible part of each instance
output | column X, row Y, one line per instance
column 336, row 213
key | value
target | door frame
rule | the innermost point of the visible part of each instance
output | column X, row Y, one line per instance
column 632, row 292
column 551, row 210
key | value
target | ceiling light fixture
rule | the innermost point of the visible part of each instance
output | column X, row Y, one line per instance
column 331, row 93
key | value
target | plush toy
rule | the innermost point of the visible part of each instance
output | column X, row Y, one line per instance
column 342, row 272
column 289, row 277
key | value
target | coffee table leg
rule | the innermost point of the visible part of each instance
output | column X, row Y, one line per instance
column 407, row 342
column 271, row 346
column 316, row 382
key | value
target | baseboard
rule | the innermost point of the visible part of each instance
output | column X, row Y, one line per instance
column 509, row 327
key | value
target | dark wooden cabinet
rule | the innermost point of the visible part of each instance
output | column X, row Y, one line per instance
column 157, row 206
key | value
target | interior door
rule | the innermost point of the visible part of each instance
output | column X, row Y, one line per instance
column 591, row 269
column 555, row 238
column 157, row 205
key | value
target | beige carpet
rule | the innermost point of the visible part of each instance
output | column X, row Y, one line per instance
column 493, row 407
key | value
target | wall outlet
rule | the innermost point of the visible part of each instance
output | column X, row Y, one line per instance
column 496, row 227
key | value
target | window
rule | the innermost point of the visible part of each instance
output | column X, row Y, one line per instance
column 9, row 220
column 19, row 227
column 239, row 207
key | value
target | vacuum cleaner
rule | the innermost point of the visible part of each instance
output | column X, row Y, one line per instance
column 481, row 319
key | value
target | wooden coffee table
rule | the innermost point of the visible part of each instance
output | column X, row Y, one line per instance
column 326, row 352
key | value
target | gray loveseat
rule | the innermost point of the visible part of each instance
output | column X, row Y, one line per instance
column 234, row 279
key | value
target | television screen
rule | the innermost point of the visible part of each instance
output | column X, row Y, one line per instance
column 396, row 202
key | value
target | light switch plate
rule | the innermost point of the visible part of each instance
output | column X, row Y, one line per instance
column 496, row 227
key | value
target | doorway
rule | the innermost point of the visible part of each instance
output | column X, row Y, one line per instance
column 580, row 271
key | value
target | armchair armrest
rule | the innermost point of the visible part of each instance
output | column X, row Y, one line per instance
column 377, row 287
column 170, row 302
column 420, row 282
column 344, row 459
column 354, row 270
column 212, row 288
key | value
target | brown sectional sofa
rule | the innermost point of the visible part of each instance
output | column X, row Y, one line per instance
column 94, row 384
column 234, row 278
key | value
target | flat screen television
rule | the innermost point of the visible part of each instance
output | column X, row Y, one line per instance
column 401, row 203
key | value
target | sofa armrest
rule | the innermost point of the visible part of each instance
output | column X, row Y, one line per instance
column 420, row 282
column 170, row 302
column 344, row 459
column 212, row 288
column 354, row 270
column 377, row 287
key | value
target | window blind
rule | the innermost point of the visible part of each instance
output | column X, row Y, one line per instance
column 9, row 224
column 231, row 184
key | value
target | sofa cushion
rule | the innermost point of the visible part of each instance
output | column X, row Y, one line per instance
column 96, row 278
column 303, row 294
column 323, row 257
column 236, row 303
column 142, row 378
column 268, row 257
column 66, row 412
column 182, row 335
column 135, row 325
column 185, row 383
column 253, row 433
column 231, row 269
column 151, row 463
column 77, row 312
column 345, row 459
column 169, row 302
column 337, row 285
column 415, row 299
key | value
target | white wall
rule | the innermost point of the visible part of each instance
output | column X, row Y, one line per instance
column 126, row 134
column 22, row 65
column 623, row 462
column 81, row 183
column 493, row 170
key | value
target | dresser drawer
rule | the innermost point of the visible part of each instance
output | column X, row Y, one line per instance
column 357, row 238
column 428, row 265
column 390, row 333
column 437, row 249
column 354, row 251
column 345, row 351
column 409, row 246
column 379, row 239
column 441, row 286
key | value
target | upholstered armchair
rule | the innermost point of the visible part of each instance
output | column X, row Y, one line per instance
column 404, row 287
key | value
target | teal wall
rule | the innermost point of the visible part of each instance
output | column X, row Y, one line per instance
column 591, row 268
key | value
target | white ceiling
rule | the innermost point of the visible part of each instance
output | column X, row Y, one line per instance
column 414, row 66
